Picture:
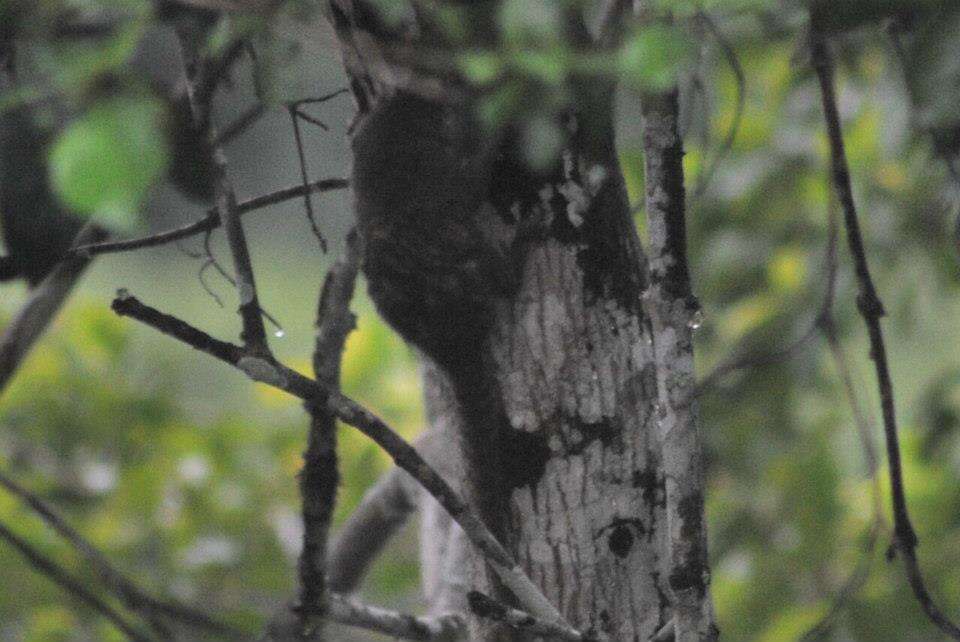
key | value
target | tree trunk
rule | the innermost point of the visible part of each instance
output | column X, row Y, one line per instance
column 575, row 363
column 559, row 432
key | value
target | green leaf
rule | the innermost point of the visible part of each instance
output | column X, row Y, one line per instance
column 76, row 64
column 481, row 68
column 105, row 161
column 549, row 67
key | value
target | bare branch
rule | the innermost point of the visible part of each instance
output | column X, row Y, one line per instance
column 674, row 312
column 286, row 625
column 348, row 611
column 254, row 334
column 132, row 596
column 486, row 607
column 319, row 477
column 268, row 370
column 71, row 585
column 240, row 125
column 334, row 319
column 383, row 509
column 871, row 309
column 211, row 221
column 321, row 99
column 301, row 157
column 39, row 310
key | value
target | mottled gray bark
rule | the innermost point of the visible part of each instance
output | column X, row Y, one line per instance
column 579, row 454
column 445, row 552
column 674, row 313
column 577, row 371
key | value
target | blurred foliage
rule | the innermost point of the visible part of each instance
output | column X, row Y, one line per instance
column 203, row 505
column 105, row 162
column 205, row 511
column 789, row 504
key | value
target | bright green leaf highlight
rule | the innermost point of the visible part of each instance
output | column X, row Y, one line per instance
column 481, row 68
column 105, row 161
column 546, row 66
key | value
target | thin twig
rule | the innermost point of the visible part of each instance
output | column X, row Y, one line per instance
column 211, row 261
column 859, row 576
column 321, row 99
column 212, row 70
column 871, row 309
column 268, row 370
column 202, row 278
column 211, row 220
column 740, row 361
column 870, row 454
column 132, row 596
column 345, row 610
column 733, row 61
column 313, row 120
column 240, row 125
column 348, row 611
column 861, row 572
column 71, row 585
column 319, row 477
column 253, row 335
column 301, row 156
column 853, row 584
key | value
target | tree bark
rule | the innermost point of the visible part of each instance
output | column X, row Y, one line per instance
column 577, row 457
column 674, row 313
column 575, row 363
